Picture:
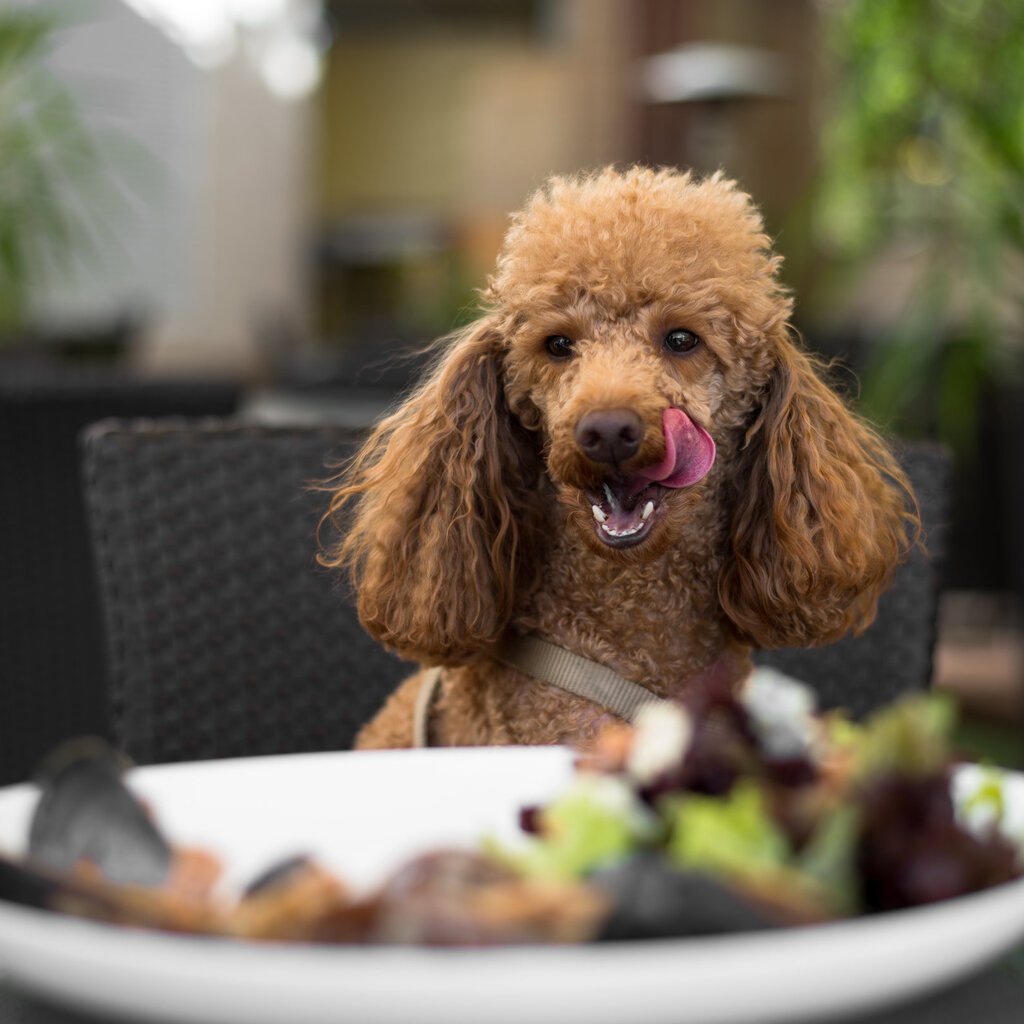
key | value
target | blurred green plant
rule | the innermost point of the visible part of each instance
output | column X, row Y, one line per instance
column 923, row 169
column 47, row 155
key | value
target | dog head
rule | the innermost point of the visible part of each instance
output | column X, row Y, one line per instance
column 634, row 358
column 639, row 311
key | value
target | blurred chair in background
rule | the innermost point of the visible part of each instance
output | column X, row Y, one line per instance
column 895, row 654
column 225, row 637
column 52, row 676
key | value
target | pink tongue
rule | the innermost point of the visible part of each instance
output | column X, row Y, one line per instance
column 689, row 453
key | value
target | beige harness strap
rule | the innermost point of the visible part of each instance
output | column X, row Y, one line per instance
column 589, row 679
column 424, row 703
column 550, row 664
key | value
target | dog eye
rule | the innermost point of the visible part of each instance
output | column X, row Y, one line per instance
column 680, row 340
column 559, row 346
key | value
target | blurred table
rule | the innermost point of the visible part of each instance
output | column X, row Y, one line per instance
column 996, row 996
column 356, row 409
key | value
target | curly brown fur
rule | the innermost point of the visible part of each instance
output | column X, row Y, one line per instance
column 438, row 534
column 473, row 516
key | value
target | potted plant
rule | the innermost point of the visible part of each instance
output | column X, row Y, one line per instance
column 920, row 213
column 49, row 163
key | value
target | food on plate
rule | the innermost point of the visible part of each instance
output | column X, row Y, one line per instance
column 733, row 811
column 95, row 851
column 736, row 809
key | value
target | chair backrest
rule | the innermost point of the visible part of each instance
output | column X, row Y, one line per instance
column 894, row 655
column 225, row 637
column 52, row 672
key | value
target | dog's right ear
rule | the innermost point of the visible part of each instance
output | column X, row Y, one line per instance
column 440, row 537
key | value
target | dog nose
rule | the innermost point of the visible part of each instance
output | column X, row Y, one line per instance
column 610, row 435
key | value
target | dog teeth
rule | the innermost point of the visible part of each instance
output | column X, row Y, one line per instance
column 621, row 533
column 601, row 517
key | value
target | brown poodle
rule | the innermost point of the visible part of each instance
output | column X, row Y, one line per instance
column 627, row 455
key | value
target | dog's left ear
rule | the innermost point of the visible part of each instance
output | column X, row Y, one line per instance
column 822, row 515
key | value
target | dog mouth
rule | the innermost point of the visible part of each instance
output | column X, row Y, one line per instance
column 624, row 516
column 625, row 509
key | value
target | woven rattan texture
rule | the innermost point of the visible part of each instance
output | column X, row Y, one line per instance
column 52, row 671
column 225, row 638
column 894, row 655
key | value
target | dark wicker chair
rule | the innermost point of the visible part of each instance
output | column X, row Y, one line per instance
column 225, row 638
column 52, row 672
column 894, row 655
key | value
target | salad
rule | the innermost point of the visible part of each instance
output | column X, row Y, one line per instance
column 740, row 810
column 732, row 811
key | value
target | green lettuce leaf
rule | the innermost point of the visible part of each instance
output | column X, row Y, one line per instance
column 909, row 737
column 830, row 859
column 596, row 822
column 730, row 835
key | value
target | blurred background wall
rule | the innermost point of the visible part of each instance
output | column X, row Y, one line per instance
column 293, row 192
column 360, row 195
column 190, row 211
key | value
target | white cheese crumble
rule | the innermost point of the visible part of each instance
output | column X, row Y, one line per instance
column 781, row 711
column 663, row 733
